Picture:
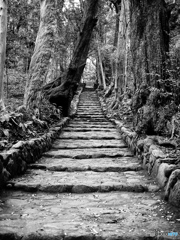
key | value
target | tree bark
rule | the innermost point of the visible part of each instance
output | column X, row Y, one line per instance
column 43, row 53
column 80, row 54
column 63, row 94
column 101, row 66
column 152, row 104
column 3, row 33
column 121, row 54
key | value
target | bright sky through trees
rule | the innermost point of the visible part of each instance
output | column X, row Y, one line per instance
column 67, row 2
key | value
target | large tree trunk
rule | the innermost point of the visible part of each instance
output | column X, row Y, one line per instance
column 63, row 94
column 149, row 41
column 3, row 33
column 80, row 54
column 149, row 47
column 44, row 51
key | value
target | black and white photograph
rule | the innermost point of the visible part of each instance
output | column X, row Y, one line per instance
column 89, row 119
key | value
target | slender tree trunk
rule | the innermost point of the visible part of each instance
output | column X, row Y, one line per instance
column 115, row 103
column 98, row 72
column 101, row 66
column 117, row 5
column 3, row 33
column 125, row 31
column 121, row 54
column 43, row 52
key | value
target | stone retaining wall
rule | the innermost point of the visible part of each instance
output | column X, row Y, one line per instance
column 160, row 165
column 15, row 161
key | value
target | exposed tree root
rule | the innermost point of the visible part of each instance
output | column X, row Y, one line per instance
column 61, row 96
column 109, row 90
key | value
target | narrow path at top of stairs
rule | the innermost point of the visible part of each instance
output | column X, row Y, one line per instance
column 88, row 186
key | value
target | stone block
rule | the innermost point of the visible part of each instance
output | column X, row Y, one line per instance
column 145, row 159
column 12, row 167
column 174, row 197
column 170, row 169
column 155, row 168
column 147, row 143
column 12, row 153
column 153, row 147
column 155, row 154
column 173, row 179
column 140, row 144
column 161, row 177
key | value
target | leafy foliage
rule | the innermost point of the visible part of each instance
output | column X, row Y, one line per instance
column 23, row 20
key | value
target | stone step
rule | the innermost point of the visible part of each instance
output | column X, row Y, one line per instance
column 81, row 182
column 97, row 164
column 85, row 112
column 89, row 108
column 89, row 99
column 71, row 144
column 91, row 102
column 87, row 129
column 89, row 111
column 90, row 135
column 90, row 118
column 93, row 116
column 85, row 108
column 90, row 114
column 90, row 125
column 94, row 216
column 84, row 105
column 93, row 120
column 86, row 153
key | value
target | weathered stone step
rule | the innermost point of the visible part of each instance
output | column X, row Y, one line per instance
column 97, row 109
column 98, row 133
column 96, row 165
column 90, row 111
column 71, row 144
column 91, row 99
column 88, row 114
column 99, row 216
column 87, row 129
column 85, row 112
column 90, row 125
column 89, row 153
column 93, row 117
column 81, row 182
column 90, row 135
column 93, row 120
column 90, row 107
column 89, row 103
column 89, row 118
column 83, row 106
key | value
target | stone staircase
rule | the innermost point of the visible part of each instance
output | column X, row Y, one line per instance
column 88, row 186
